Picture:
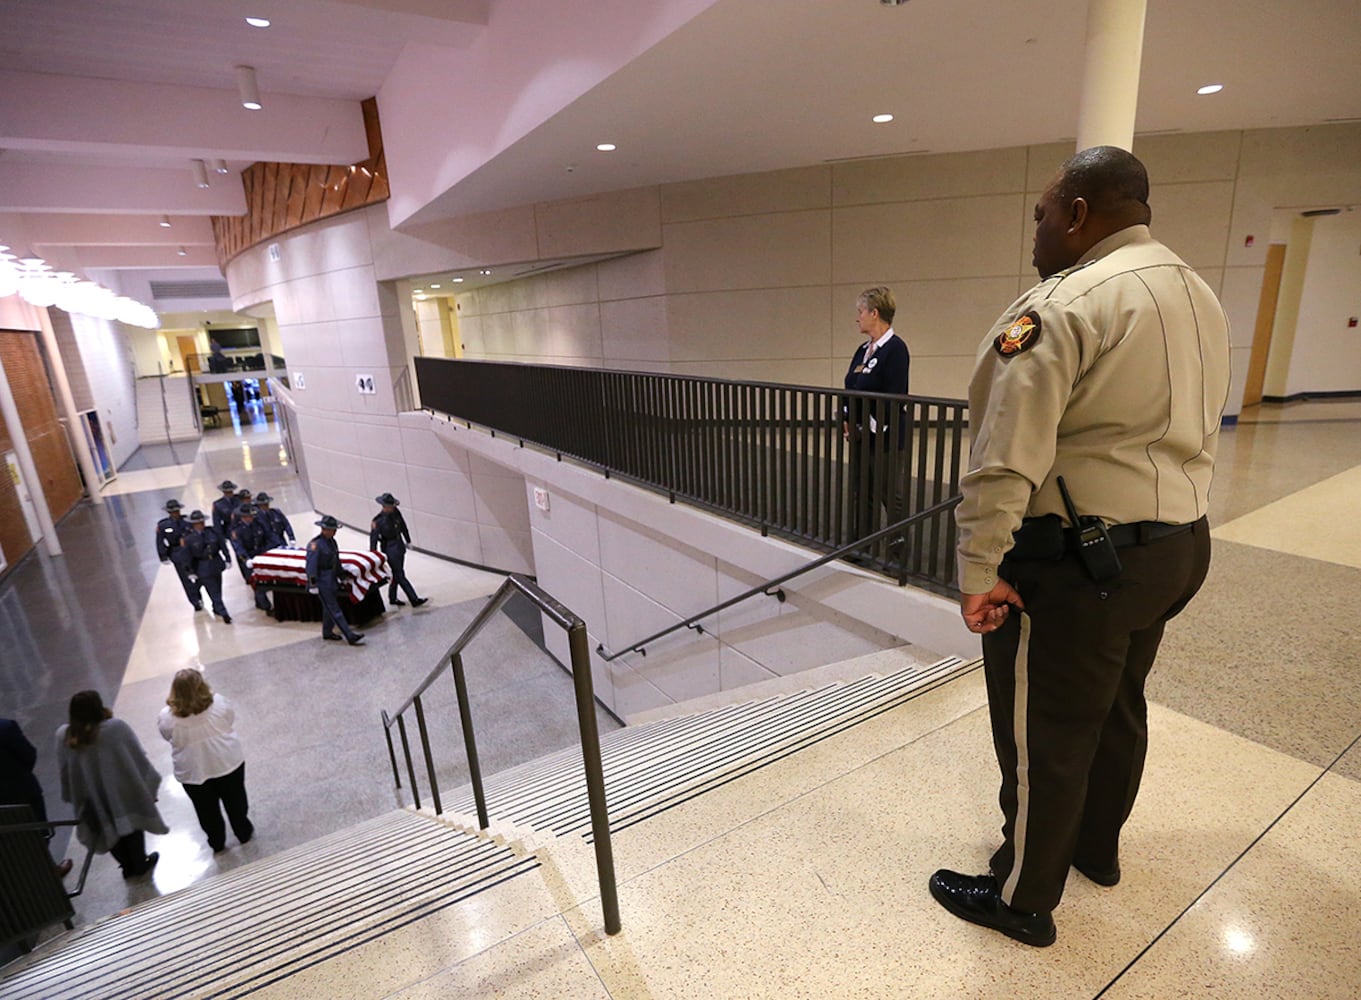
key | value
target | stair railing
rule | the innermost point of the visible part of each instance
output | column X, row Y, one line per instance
column 894, row 530
column 561, row 616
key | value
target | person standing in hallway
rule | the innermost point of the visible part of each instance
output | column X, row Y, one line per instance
column 110, row 783
column 223, row 508
column 250, row 539
column 880, row 364
column 323, row 579
column 207, row 559
column 1109, row 377
column 170, row 530
column 277, row 529
column 18, row 784
column 389, row 530
column 200, row 727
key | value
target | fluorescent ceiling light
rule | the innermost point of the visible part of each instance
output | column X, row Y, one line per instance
column 1211, row 88
column 457, row 280
column 606, row 147
column 882, row 119
column 258, row 22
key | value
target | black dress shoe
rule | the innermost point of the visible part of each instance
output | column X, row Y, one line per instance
column 1101, row 876
column 356, row 640
column 227, row 619
column 332, row 638
column 418, row 601
column 396, row 603
column 198, row 607
column 976, row 898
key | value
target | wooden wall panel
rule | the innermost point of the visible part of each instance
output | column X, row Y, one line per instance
column 284, row 196
column 46, row 440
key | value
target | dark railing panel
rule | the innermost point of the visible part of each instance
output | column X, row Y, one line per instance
column 771, row 455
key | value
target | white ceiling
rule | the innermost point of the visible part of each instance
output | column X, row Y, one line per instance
column 109, row 99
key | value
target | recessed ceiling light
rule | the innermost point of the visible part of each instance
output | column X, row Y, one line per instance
column 881, row 119
column 606, row 147
column 165, row 222
column 457, row 280
column 181, row 252
column 1211, row 88
column 258, row 22
column 485, row 270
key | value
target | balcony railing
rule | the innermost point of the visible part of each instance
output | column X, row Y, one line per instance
column 818, row 466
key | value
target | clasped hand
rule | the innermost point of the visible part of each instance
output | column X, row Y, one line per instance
column 985, row 613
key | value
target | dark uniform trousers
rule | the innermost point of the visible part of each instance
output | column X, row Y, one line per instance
column 225, row 792
column 1065, row 682
column 395, row 550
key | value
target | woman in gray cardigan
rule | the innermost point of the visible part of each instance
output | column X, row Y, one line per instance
column 107, row 778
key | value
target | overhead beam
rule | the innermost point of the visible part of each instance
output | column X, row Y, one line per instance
column 53, row 187
column 118, row 230
column 465, row 11
column 153, row 122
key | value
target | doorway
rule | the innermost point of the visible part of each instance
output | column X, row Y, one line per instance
column 35, row 531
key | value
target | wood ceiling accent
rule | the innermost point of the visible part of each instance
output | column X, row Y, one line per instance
column 284, row 196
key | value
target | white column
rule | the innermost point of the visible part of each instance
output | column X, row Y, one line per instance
column 75, row 425
column 32, row 483
column 1110, row 78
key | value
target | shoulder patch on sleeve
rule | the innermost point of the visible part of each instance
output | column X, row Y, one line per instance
column 1020, row 336
column 312, row 545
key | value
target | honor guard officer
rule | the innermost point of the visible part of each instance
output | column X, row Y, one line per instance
column 242, row 498
column 323, row 579
column 224, row 506
column 1095, row 408
column 169, row 530
column 277, row 528
column 388, row 529
column 207, row 559
column 250, row 539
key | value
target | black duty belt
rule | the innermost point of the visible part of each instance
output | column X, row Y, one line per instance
column 1047, row 538
column 1143, row 532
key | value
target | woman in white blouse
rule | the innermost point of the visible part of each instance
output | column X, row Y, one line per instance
column 206, row 752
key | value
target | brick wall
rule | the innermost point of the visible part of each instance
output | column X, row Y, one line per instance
column 46, row 440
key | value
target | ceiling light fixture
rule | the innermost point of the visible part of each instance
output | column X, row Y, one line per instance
column 606, row 147
column 882, row 119
column 165, row 222
column 1210, row 88
column 485, row 270
column 258, row 22
column 181, row 252
column 247, row 88
column 220, row 166
column 434, row 286
column 200, row 173
column 457, row 280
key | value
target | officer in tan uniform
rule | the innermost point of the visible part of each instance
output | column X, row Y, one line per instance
column 1111, row 375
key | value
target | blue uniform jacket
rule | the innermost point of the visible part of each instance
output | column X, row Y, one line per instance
column 387, row 528
column 323, row 562
column 169, row 531
column 208, row 554
column 249, row 540
column 277, row 528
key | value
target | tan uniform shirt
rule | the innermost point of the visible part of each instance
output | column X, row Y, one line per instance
column 1112, row 374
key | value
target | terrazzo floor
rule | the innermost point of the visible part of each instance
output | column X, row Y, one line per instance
column 1242, row 869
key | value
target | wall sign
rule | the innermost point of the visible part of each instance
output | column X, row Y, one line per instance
column 364, row 383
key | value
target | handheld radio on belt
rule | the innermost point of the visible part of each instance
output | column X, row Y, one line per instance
column 1094, row 546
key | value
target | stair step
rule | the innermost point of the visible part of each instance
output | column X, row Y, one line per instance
column 652, row 767
column 237, row 932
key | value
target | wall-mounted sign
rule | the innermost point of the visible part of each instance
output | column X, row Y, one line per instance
column 298, row 381
column 273, row 251
column 364, row 383
column 541, row 498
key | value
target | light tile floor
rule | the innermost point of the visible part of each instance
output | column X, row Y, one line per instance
column 807, row 879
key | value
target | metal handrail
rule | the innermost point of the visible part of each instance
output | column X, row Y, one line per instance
column 51, row 825
column 764, row 588
column 586, row 723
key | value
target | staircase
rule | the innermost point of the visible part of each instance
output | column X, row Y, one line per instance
column 173, row 418
column 233, row 934
column 650, row 768
column 242, row 931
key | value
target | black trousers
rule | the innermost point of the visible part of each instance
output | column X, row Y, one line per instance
column 210, row 798
column 130, row 853
column 396, row 556
column 876, row 477
column 1065, row 683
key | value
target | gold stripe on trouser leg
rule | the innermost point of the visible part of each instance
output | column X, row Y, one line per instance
column 1019, row 708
